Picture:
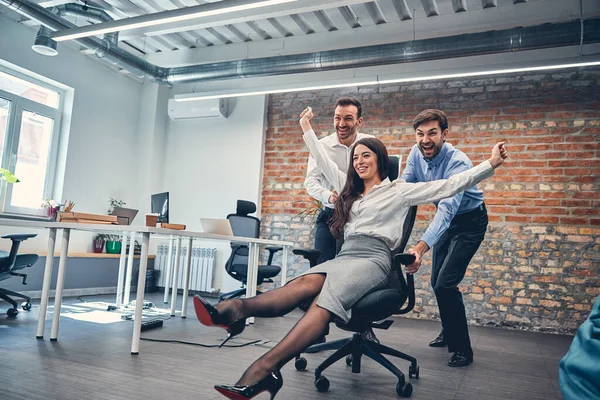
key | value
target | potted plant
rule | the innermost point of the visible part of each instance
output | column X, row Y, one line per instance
column 112, row 203
column 309, row 214
column 6, row 175
column 113, row 244
column 99, row 241
column 52, row 207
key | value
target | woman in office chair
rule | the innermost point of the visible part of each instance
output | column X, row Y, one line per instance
column 368, row 212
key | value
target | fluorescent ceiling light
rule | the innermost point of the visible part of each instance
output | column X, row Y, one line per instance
column 166, row 17
column 225, row 95
column 379, row 80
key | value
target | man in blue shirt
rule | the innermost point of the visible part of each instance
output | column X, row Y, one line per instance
column 455, row 233
column 579, row 370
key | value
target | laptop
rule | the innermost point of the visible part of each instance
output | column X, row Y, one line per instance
column 125, row 216
column 216, row 226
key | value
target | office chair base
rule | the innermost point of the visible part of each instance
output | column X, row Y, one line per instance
column 352, row 349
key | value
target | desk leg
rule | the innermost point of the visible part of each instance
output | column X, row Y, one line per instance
column 186, row 278
column 139, row 299
column 60, row 283
column 169, row 269
column 119, row 300
column 46, row 283
column 252, row 272
column 175, row 276
column 127, row 291
column 284, row 262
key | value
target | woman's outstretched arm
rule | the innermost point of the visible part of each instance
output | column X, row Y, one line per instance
column 427, row 192
column 329, row 168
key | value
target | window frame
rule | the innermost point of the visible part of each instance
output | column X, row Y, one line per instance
column 17, row 106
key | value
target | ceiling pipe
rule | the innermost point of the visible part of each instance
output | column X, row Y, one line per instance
column 508, row 40
column 91, row 14
column 45, row 45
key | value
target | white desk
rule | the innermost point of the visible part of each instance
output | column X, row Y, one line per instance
column 253, row 246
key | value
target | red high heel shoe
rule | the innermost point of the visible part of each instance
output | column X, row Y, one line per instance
column 271, row 383
column 209, row 316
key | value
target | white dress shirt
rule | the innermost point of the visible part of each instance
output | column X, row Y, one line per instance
column 381, row 212
column 316, row 183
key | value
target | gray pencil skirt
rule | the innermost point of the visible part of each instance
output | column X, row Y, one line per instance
column 362, row 266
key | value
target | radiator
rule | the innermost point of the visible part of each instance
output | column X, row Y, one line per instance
column 202, row 269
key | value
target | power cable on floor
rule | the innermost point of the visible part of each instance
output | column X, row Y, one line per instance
column 200, row 344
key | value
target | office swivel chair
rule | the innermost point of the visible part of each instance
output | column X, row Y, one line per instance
column 236, row 266
column 374, row 306
column 10, row 262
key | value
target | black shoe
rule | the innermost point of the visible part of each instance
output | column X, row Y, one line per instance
column 460, row 359
column 270, row 383
column 438, row 341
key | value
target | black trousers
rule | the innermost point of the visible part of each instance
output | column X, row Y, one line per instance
column 451, row 256
column 325, row 242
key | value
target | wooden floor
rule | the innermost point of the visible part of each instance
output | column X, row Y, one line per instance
column 92, row 361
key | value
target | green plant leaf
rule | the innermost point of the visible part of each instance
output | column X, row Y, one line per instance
column 6, row 175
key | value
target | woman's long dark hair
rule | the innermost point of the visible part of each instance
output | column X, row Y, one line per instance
column 355, row 185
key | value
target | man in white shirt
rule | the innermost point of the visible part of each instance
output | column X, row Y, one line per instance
column 347, row 120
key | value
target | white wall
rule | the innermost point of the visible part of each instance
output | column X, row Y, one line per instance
column 101, row 156
column 210, row 164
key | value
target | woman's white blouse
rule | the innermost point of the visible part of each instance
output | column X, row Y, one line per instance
column 381, row 212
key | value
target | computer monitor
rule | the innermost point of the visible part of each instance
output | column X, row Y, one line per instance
column 160, row 206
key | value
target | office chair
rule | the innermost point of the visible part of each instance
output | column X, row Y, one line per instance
column 10, row 262
column 374, row 306
column 236, row 266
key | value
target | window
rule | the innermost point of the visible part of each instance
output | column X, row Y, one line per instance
column 30, row 116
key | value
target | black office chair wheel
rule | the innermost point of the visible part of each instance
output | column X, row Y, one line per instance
column 300, row 363
column 322, row 384
column 413, row 372
column 12, row 312
column 349, row 360
column 404, row 389
column 26, row 306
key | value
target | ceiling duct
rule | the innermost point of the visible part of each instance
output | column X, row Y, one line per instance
column 45, row 45
column 500, row 41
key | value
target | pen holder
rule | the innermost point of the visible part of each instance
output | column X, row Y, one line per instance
column 151, row 220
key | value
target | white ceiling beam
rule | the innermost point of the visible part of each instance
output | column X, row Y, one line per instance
column 489, row 3
column 509, row 16
column 280, row 10
column 430, row 7
column 350, row 17
column 459, row 5
column 375, row 12
column 402, row 9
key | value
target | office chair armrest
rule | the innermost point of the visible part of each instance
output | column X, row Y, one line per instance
column 20, row 236
column 408, row 284
column 310, row 254
column 238, row 245
column 272, row 251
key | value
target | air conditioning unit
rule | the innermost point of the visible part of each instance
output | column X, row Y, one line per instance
column 212, row 108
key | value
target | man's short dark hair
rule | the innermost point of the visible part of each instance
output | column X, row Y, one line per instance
column 349, row 101
column 431, row 115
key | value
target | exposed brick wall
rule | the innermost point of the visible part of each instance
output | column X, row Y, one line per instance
column 539, row 265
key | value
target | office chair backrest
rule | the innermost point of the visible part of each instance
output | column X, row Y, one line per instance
column 243, row 224
column 393, row 168
column 7, row 263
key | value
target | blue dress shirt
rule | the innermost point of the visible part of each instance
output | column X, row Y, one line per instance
column 449, row 161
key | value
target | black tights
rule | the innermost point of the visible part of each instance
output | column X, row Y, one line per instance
column 276, row 303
